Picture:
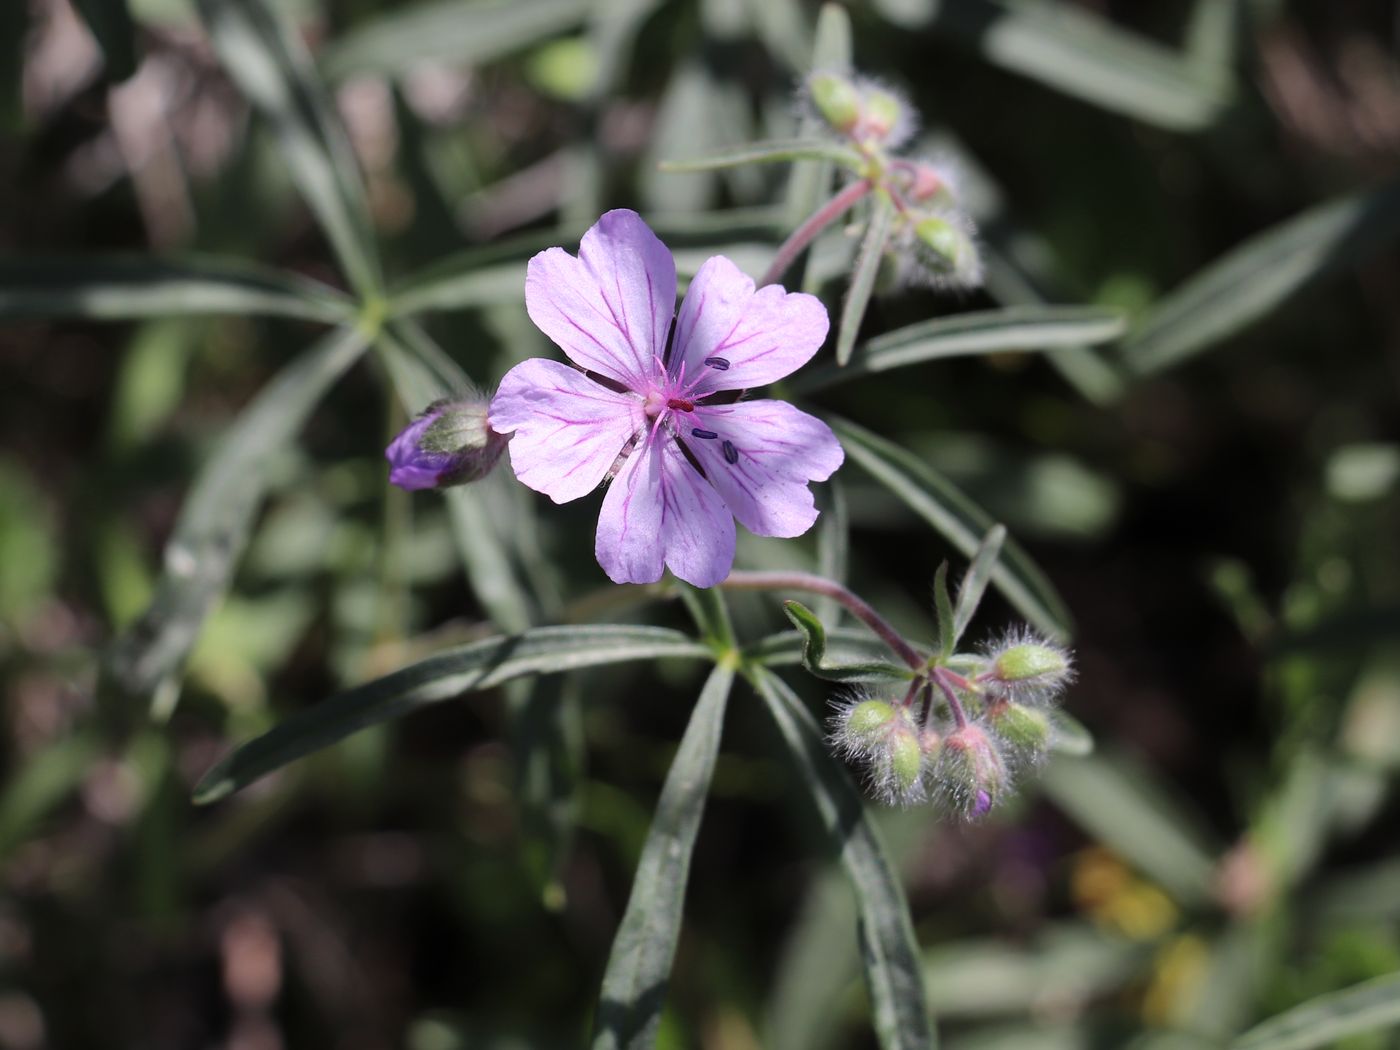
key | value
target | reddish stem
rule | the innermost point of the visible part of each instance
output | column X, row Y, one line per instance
column 805, row 234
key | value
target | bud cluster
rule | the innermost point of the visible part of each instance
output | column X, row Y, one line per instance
column 934, row 236
column 959, row 739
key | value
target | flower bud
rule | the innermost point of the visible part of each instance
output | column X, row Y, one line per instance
column 884, row 113
column 869, row 720
column 948, row 251
column 1028, row 669
column 450, row 443
column 1025, row 729
column 836, row 99
column 1022, row 662
column 903, row 766
column 971, row 774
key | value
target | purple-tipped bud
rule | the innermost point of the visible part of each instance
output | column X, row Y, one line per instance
column 450, row 443
column 971, row 774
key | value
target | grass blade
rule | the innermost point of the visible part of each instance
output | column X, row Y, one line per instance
column 890, row 953
column 959, row 520
column 267, row 60
column 468, row 668
column 634, row 986
column 463, row 34
column 1260, row 275
column 1016, row 329
column 216, row 519
column 123, row 288
column 774, row 151
column 867, row 268
column 1322, row 1021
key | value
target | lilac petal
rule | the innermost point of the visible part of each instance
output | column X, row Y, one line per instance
column 658, row 511
column 733, row 338
column 409, row 466
column 760, row 459
column 610, row 308
column 568, row 429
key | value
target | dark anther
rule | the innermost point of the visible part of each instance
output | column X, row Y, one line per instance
column 708, row 435
column 720, row 363
column 681, row 404
column 731, row 454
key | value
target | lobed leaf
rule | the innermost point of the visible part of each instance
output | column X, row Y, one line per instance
column 814, row 653
column 962, row 522
column 1014, row 329
column 773, row 151
column 263, row 54
column 1260, row 275
column 639, row 967
column 217, row 516
column 467, row 668
column 121, row 288
column 867, row 267
column 889, row 951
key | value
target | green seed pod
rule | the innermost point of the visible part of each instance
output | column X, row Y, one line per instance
column 836, row 99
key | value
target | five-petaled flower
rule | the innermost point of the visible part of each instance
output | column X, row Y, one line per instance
column 690, row 462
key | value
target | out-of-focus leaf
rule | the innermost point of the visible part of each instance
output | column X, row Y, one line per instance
column 810, row 180
column 634, row 985
column 1016, row 329
column 776, row 151
column 1260, row 275
column 833, row 544
column 112, row 27
column 468, row 668
column 455, row 31
column 888, row 948
column 43, row 782
column 546, row 729
column 215, row 520
column 269, row 63
column 814, row 653
column 1066, row 967
column 1328, row 1018
column 1082, row 54
column 975, row 580
column 422, row 373
column 867, row 267
column 1124, row 809
column 122, row 288
column 31, row 544
column 1068, row 736
column 958, row 519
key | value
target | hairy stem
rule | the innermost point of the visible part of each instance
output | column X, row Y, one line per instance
column 940, row 675
column 805, row 234
column 857, row 606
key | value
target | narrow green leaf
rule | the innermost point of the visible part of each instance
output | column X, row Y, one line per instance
column 888, row 948
column 833, row 544
column 814, row 653
column 867, row 267
column 112, row 28
column 775, row 151
column 962, row 522
column 1262, row 274
column 216, row 518
column 449, row 674
column 1068, row 736
column 639, row 968
column 943, row 608
column 422, row 373
column 464, row 34
column 1086, row 56
column 711, row 614
column 1015, row 329
column 126, row 287
column 267, row 60
column 975, row 580
column 1122, row 806
column 546, row 735
column 844, row 645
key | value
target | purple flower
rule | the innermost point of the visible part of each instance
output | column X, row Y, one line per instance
column 450, row 443
column 686, row 462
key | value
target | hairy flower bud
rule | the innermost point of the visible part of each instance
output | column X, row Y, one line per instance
column 883, row 736
column 946, row 249
column 971, row 774
column 869, row 721
column 1025, row 730
column 1028, row 669
column 450, row 443
column 836, row 99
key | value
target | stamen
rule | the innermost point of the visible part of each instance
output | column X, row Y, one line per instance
column 708, row 435
column 720, row 363
column 681, row 404
column 731, row 454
